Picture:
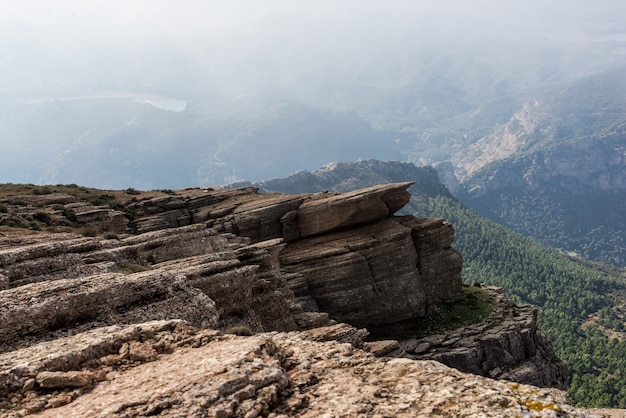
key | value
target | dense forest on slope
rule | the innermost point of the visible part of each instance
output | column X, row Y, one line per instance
column 593, row 227
column 570, row 293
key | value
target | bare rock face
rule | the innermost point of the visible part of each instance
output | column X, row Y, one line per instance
column 363, row 276
column 195, row 372
column 345, row 254
column 505, row 345
column 206, row 278
column 439, row 263
column 348, row 209
column 45, row 307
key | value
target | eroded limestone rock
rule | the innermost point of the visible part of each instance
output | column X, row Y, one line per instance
column 505, row 345
column 38, row 310
column 245, row 262
column 201, row 373
column 349, row 209
column 343, row 254
column 363, row 276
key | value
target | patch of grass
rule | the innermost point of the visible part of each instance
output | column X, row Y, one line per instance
column 474, row 306
column 70, row 214
column 96, row 197
column 15, row 222
column 9, row 407
column 43, row 217
column 88, row 231
column 101, row 199
column 327, row 337
column 38, row 191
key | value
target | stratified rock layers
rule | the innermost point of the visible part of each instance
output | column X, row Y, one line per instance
column 233, row 260
column 363, row 276
column 342, row 254
column 198, row 373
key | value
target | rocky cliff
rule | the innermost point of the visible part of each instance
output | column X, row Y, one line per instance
column 344, row 255
column 556, row 171
column 78, row 313
column 503, row 345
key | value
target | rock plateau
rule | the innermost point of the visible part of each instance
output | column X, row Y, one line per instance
column 140, row 319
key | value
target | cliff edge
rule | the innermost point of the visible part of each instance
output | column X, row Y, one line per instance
column 172, row 272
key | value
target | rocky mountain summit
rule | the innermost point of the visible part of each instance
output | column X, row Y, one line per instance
column 196, row 302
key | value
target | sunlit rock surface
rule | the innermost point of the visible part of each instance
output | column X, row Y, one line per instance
column 139, row 322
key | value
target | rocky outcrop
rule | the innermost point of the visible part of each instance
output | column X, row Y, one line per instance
column 193, row 273
column 439, row 264
column 168, row 368
column 242, row 262
column 60, row 209
column 505, row 345
column 342, row 254
column 366, row 275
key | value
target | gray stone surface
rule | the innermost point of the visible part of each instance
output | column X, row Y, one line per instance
column 306, row 374
column 86, row 323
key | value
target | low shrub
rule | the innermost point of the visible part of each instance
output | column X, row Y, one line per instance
column 241, row 330
column 88, row 231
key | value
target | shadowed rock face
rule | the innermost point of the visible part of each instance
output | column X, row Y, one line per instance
column 234, row 260
column 504, row 345
column 363, row 276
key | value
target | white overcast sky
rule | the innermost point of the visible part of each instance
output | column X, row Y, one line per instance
column 69, row 46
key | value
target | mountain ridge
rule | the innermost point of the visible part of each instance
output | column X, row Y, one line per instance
column 557, row 170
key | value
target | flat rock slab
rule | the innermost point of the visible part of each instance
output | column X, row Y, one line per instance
column 287, row 374
column 354, row 208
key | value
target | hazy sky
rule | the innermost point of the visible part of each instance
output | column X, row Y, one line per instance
column 393, row 65
column 188, row 47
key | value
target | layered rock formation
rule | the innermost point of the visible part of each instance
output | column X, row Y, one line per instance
column 233, row 260
column 504, row 345
column 196, row 274
column 170, row 369
column 345, row 255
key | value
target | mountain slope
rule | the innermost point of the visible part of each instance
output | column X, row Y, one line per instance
column 568, row 291
column 570, row 197
column 120, row 142
column 557, row 170
column 340, row 177
column 588, row 109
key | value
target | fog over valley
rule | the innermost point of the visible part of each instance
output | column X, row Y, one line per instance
column 152, row 94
